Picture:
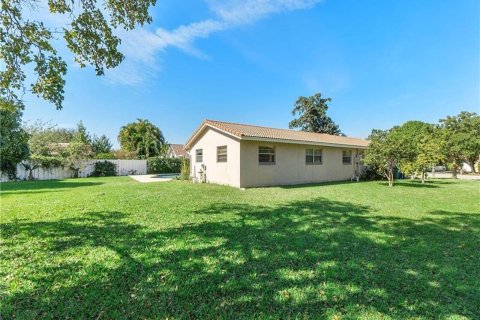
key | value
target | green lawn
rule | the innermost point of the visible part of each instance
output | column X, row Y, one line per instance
column 111, row 248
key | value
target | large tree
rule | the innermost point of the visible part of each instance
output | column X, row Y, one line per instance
column 78, row 151
column 142, row 137
column 53, row 147
column 75, row 156
column 430, row 153
column 47, row 143
column 27, row 42
column 423, row 148
column 385, row 150
column 45, row 138
column 101, row 145
column 81, row 134
column 312, row 115
column 13, row 139
column 462, row 139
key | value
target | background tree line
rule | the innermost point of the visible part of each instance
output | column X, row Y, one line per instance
column 44, row 145
column 413, row 148
column 416, row 147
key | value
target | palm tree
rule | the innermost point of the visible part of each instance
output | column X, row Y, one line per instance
column 142, row 137
column 30, row 167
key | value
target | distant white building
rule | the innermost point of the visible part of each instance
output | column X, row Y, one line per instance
column 466, row 168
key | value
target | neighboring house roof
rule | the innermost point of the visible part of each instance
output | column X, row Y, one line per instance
column 178, row 150
column 257, row 133
column 56, row 147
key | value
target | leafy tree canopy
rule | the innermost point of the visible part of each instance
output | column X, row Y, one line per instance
column 27, row 43
column 81, row 135
column 75, row 156
column 312, row 115
column 46, row 138
column 423, row 150
column 141, row 137
column 13, row 139
column 385, row 150
column 101, row 145
column 51, row 146
column 462, row 137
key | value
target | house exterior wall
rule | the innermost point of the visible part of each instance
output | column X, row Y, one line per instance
column 290, row 166
column 227, row 173
column 243, row 169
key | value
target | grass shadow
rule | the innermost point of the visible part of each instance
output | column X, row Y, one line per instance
column 315, row 184
column 309, row 259
column 417, row 183
column 46, row 185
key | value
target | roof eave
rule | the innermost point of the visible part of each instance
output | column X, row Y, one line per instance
column 205, row 125
column 202, row 128
column 326, row 144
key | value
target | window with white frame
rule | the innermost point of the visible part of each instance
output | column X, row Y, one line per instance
column 313, row 156
column 266, row 155
column 222, row 154
column 347, row 157
column 199, row 155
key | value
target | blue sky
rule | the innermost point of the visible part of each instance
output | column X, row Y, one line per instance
column 382, row 63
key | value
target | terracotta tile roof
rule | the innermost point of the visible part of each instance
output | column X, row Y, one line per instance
column 179, row 151
column 250, row 132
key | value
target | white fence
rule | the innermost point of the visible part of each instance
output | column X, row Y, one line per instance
column 124, row 167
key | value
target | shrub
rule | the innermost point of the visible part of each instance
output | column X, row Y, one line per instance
column 371, row 174
column 76, row 155
column 125, row 155
column 9, row 168
column 107, row 155
column 104, row 169
column 185, row 169
column 163, row 165
column 47, row 162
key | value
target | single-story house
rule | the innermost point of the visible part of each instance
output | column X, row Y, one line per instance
column 177, row 151
column 243, row 155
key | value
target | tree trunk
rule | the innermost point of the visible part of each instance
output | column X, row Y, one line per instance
column 454, row 171
column 390, row 174
column 423, row 176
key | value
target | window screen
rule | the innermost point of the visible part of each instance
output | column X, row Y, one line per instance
column 313, row 156
column 199, row 155
column 266, row 155
column 222, row 154
column 347, row 157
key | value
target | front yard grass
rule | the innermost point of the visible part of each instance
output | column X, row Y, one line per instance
column 111, row 248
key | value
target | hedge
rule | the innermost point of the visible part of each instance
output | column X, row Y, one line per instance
column 163, row 165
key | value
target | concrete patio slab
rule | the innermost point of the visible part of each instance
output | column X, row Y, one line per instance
column 147, row 178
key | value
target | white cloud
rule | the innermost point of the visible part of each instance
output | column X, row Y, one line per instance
column 141, row 47
column 228, row 14
column 183, row 36
column 236, row 12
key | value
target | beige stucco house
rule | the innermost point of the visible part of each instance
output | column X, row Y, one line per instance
column 243, row 155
